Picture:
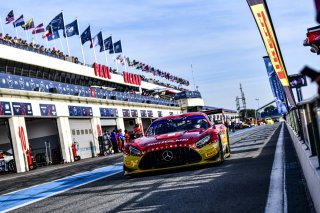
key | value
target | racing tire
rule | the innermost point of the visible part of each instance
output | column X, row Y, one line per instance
column 221, row 153
column 228, row 146
column 12, row 166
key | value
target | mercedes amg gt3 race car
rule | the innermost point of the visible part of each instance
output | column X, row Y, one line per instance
column 177, row 141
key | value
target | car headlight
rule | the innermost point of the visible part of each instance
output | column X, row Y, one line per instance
column 134, row 151
column 202, row 142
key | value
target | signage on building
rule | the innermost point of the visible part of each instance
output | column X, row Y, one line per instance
column 131, row 78
column 5, row 108
column 109, row 112
column 23, row 109
column 80, row 111
column 101, row 71
column 150, row 114
column 134, row 113
column 126, row 113
column 48, row 110
column 143, row 113
column 159, row 114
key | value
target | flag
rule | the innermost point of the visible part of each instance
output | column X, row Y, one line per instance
column 28, row 25
column 97, row 40
column 38, row 29
column 56, row 23
column 86, row 36
column 120, row 60
column 117, row 47
column 10, row 17
column 72, row 29
column 18, row 22
column 54, row 35
column 47, row 33
column 107, row 44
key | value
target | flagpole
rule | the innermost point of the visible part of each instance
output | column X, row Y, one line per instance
column 61, row 44
column 115, row 59
column 2, row 28
column 84, row 61
column 54, row 41
column 94, row 51
column 64, row 29
column 125, row 61
column 16, row 32
column 36, row 38
column 104, row 50
column 27, row 36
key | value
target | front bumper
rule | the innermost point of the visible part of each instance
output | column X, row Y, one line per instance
column 181, row 157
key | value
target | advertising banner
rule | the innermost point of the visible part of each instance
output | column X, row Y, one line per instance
column 262, row 17
column 23, row 109
column 48, row 110
column 276, row 87
column 108, row 112
column 5, row 108
column 80, row 111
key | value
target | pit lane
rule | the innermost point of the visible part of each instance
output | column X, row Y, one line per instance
column 239, row 185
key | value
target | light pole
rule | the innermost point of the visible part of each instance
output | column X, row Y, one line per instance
column 257, row 99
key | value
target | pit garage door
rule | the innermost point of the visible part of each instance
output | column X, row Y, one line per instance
column 44, row 140
column 146, row 123
column 82, row 135
column 108, row 124
column 7, row 163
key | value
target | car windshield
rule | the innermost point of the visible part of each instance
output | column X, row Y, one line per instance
column 178, row 124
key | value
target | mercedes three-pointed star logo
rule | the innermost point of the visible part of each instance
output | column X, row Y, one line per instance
column 167, row 155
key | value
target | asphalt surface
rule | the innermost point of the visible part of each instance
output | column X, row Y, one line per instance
column 240, row 184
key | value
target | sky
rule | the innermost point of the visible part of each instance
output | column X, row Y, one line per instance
column 219, row 38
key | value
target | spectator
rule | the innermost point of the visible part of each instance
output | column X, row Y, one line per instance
column 113, row 138
column 126, row 136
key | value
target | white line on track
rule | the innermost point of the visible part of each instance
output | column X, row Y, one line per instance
column 277, row 196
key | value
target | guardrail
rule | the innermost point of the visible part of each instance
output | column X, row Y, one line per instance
column 305, row 121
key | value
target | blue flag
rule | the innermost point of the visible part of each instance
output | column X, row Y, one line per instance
column 72, row 29
column 86, row 36
column 56, row 23
column 276, row 87
column 107, row 44
column 18, row 22
column 117, row 47
column 54, row 35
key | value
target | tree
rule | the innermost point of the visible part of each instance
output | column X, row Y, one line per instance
column 269, row 109
column 250, row 113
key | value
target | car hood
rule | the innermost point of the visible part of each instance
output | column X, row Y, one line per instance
column 175, row 139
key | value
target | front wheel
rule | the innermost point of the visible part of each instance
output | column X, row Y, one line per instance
column 12, row 166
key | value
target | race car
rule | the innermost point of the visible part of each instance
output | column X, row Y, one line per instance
column 177, row 141
column 6, row 162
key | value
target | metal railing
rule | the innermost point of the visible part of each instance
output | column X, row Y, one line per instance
column 305, row 121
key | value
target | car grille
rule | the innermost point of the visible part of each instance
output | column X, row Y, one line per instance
column 180, row 156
